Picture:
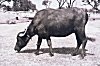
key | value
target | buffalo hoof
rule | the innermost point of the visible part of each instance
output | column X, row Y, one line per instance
column 75, row 52
column 51, row 54
column 83, row 54
column 36, row 53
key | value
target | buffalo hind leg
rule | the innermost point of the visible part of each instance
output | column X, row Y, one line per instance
column 79, row 42
column 84, row 41
column 50, row 46
column 38, row 45
column 83, row 53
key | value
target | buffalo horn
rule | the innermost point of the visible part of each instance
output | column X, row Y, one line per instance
column 22, row 33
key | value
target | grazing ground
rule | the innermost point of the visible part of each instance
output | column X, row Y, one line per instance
column 62, row 48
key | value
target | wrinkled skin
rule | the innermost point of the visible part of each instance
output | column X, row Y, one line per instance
column 57, row 23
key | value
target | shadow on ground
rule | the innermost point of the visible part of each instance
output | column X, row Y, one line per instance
column 62, row 50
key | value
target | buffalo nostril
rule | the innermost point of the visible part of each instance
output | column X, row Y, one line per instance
column 17, row 49
column 14, row 48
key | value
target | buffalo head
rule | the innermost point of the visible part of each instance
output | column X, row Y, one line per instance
column 22, row 40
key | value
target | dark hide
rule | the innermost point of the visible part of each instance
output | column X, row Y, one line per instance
column 57, row 23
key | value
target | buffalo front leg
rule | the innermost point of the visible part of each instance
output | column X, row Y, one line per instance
column 50, row 46
column 83, row 53
column 38, row 45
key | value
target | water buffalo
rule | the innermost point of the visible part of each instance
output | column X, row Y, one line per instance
column 58, row 23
